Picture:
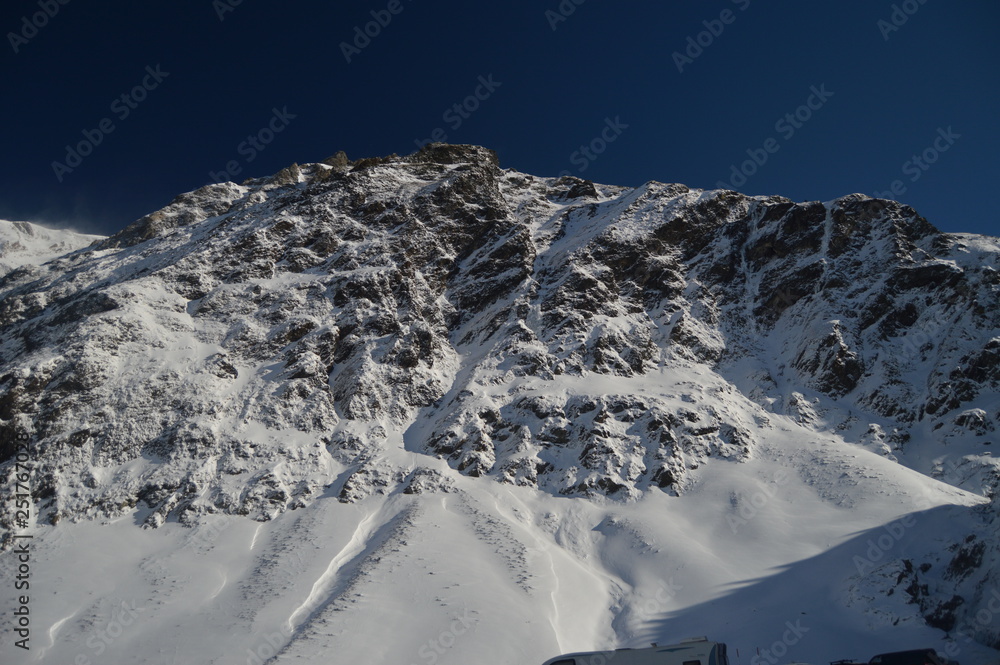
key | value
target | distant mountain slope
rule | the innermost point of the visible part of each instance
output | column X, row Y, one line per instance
column 380, row 332
column 23, row 243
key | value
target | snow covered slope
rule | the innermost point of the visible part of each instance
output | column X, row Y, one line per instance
column 23, row 243
column 423, row 409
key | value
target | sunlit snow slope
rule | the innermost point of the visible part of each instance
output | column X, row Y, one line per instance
column 25, row 243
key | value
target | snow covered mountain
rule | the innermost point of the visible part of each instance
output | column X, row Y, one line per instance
column 25, row 243
column 424, row 409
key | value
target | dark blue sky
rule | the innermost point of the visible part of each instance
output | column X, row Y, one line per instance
column 880, row 96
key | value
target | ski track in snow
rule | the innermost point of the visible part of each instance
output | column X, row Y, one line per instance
column 223, row 580
column 52, row 632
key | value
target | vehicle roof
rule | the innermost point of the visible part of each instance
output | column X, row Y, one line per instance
column 690, row 644
column 893, row 657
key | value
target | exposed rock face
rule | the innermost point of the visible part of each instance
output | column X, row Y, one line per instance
column 223, row 353
column 950, row 585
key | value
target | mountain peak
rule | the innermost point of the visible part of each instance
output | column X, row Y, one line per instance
column 449, row 153
column 383, row 330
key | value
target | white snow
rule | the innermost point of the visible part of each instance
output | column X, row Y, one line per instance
column 24, row 243
column 499, row 574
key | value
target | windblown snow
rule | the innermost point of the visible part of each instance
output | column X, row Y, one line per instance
column 23, row 243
